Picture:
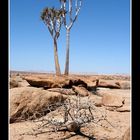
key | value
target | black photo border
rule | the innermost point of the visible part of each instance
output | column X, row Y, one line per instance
column 135, row 70
column 4, row 69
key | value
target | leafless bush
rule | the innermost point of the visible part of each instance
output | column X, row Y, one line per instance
column 74, row 113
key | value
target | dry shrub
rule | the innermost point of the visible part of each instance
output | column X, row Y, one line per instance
column 73, row 114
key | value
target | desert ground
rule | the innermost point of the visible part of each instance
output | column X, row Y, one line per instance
column 76, row 107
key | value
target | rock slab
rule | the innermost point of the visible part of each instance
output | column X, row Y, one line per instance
column 112, row 100
column 32, row 102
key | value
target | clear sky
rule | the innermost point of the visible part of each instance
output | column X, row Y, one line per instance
column 99, row 41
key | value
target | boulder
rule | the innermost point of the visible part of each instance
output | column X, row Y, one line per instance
column 111, row 100
column 54, row 82
column 81, row 91
column 125, row 84
column 30, row 102
column 91, row 82
column 17, row 81
column 109, row 84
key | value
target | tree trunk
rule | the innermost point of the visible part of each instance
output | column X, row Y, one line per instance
column 67, row 52
column 57, row 67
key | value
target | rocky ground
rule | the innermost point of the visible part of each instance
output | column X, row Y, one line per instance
column 75, row 107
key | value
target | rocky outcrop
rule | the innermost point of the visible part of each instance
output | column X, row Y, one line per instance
column 30, row 103
column 109, row 105
column 55, row 82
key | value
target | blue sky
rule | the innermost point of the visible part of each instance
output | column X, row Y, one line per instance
column 99, row 41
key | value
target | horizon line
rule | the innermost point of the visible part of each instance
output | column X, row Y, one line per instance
column 82, row 73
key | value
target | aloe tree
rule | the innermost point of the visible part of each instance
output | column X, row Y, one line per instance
column 72, row 10
column 53, row 20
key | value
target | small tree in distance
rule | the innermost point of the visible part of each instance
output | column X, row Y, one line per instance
column 53, row 19
column 72, row 14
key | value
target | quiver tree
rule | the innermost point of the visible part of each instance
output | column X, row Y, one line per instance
column 72, row 7
column 53, row 20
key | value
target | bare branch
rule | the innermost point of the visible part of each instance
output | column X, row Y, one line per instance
column 78, row 5
column 70, row 9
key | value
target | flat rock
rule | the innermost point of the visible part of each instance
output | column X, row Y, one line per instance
column 54, row 82
column 112, row 100
column 109, row 84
